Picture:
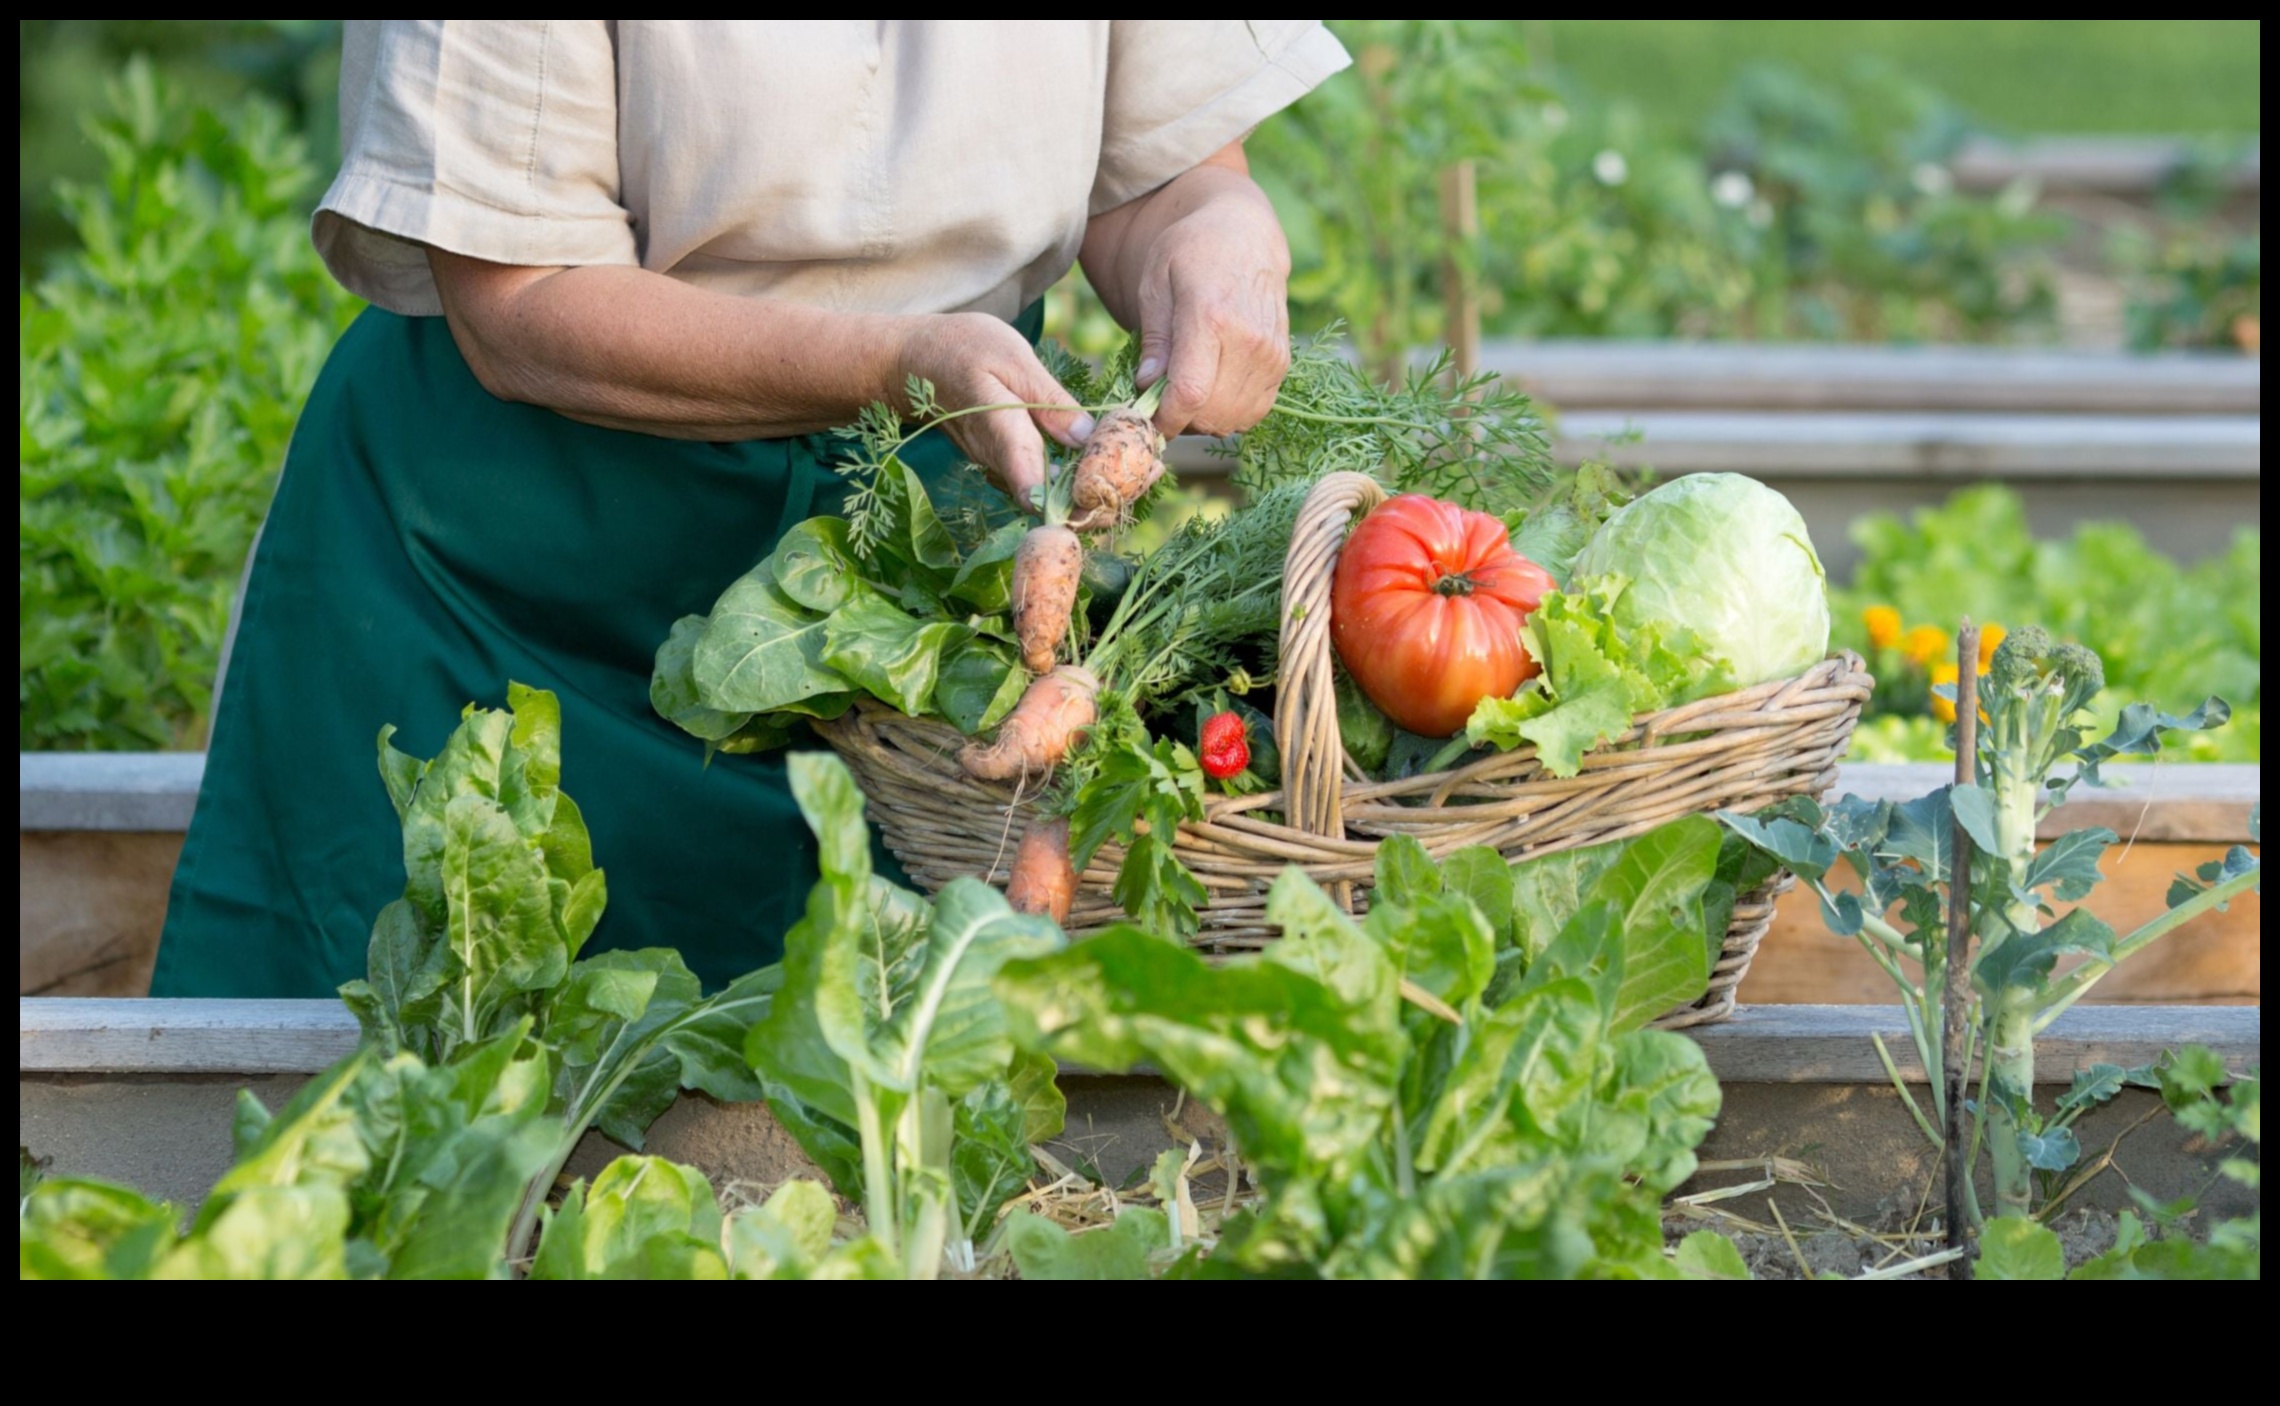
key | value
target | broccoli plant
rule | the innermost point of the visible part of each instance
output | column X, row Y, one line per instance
column 2031, row 748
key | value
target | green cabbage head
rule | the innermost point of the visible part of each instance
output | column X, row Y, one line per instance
column 1727, row 558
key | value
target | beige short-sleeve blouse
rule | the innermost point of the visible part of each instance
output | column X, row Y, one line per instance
column 896, row 166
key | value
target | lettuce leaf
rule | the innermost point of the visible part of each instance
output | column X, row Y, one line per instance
column 1595, row 678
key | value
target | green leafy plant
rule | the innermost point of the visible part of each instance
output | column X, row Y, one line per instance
column 885, row 1053
column 489, row 1049
column 2204, row 1101
column 2034, row 698
column 161, row 365
column 1458, row 1085
column 2168, row 634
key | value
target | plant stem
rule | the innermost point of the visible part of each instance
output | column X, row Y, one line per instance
column 1955, row 956
column 2078, row 982
column 879, row 1194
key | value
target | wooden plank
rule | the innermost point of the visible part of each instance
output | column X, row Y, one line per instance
column 2176, row 802
column 2132, row 166
column 146, row 1036
column 107, row 790
column 1573, row 375
column 1830, row 1044
column 1917, row 445
column 89, row 906
column 2216, row 958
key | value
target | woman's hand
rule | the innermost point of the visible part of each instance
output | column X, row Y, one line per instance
column 1201, row 268
column 973, row 359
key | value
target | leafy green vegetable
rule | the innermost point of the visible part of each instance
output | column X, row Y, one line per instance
column 886, row 1055
column 643, row 1218
column 488, row 1051
column 1533, row 1137
column 875, row 645
column 161, row 363
column 1722, row 557
column 1596, row 676
column 1042, row 1250
column 761, row 650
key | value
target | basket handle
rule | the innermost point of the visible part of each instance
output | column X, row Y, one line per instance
column 1306, row 699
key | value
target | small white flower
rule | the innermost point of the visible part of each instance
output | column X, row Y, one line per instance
column 1931, row 178
column 1610, row 167
column 1732, row 189
column 1761, row 212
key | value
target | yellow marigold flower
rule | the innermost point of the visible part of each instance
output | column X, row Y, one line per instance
column 1883, row 626
column 1989, row 637
column 1925, row 643
column 1943, row 672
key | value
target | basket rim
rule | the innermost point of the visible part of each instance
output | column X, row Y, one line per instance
column 1832, row 691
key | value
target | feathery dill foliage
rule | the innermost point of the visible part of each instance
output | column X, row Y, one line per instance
column 1476, row 442
column 1200, row 601
column 879, row 434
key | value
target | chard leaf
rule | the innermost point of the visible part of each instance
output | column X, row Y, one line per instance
column 1521, row 1085
column 813, row 566
column 71, row 1228
column 873, row 644
column 643, row 1218
column 1304, row 1079
column 673, row 687
column 501, row 938
column 1441, row 943
column 1044, row 1251
column 985, row 579
column 785, row 1237
column 1483, row 875
column 2015, row 1247
column 761, row 650
column 993, row 1129
column 1550, row 889
column 1657, row 1105
column 1708, row 1255
column 980, row 683
column 902, row 1005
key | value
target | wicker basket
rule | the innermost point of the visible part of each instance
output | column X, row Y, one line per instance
column 1738, row 751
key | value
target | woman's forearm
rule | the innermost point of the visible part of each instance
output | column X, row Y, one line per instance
column 631, row 349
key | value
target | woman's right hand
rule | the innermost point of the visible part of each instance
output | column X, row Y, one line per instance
column 973, row 359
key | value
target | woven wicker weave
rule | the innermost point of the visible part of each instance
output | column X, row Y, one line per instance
column 1738, row 751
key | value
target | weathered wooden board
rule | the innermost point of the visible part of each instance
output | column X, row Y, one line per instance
column 89, row 905
column 2215, row 959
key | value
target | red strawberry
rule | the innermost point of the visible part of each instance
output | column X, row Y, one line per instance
column 1226, row 746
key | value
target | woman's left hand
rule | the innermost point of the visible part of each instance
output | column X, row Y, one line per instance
column 1201, row 267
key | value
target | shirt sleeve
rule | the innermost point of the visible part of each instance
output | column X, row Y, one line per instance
column 1179, row 90
column 496, row 139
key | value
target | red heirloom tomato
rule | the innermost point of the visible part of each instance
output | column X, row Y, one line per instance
column 1426, row 608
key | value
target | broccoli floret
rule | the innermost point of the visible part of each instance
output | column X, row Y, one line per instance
column 2030, row 661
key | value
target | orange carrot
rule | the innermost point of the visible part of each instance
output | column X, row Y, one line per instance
column 1043, row 880
column 1123, row 458
column 1039, row 731
column 1045, row 570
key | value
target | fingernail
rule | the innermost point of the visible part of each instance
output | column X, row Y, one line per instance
column 1150, row 369
column 1081, row 427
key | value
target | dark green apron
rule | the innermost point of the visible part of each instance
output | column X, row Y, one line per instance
column 428, row 543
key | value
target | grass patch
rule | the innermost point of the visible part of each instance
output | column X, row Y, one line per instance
column 2026, row 76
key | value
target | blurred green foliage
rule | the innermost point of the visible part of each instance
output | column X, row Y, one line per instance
column 2169, row 635
column 1806, row 208
column 161, row 366
column 2160, row 77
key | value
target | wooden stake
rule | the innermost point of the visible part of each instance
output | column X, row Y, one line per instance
column 1955, row 979
column 1460, row 280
